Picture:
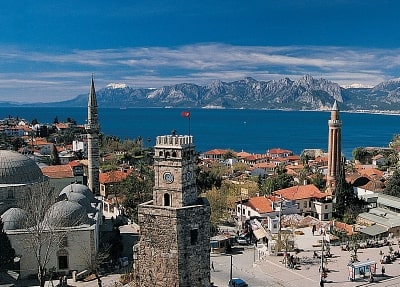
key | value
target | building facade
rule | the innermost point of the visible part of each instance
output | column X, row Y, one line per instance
column 334, row 149
column 173, row 249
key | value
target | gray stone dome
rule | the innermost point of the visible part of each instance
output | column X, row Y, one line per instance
column 66, row 213
column 81, row 199
column 14, row 218
column 16, row 168
column 79, row 188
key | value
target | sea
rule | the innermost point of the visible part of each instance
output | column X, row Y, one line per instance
column 253, row 131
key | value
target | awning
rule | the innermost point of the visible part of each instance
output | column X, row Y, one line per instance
column 374, row 230
column 260, row 233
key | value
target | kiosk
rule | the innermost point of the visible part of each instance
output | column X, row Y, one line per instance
column 361, row 270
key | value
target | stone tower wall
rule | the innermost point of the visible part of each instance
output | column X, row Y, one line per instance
column 174, row 246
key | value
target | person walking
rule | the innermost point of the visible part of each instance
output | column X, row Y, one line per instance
column 212, row 266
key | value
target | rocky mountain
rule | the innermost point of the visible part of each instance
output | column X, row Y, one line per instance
column 306, row 93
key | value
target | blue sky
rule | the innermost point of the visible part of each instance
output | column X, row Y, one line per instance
column 49, row 49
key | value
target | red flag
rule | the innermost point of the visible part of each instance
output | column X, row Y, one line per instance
column 185, row 114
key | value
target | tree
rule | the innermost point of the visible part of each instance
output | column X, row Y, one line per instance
column 318, row 180
column 218, row 204
column 54, row 158
column 7, row 253
column 43, row 237
column 347, row 205
column 393, row 186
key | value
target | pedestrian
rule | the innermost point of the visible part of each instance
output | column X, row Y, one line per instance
column 383, row 270
column 321, row 283
column 212, row 266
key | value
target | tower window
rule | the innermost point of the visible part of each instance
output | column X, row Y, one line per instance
column 167, row 154
column 10, row 194
column 173, row 154
column 160, row 154
column 194, row 234
column 167, row 199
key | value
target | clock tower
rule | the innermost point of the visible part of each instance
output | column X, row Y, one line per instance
column 173, row 249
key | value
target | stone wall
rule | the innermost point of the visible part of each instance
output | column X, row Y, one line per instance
column 174, row 246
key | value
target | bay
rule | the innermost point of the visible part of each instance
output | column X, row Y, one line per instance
column 254, row 131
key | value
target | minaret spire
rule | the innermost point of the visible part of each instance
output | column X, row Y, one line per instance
column 334, row 148
column 93, row 129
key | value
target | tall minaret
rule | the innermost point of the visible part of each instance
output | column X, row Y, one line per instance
column 92, row 129
column 334, row 149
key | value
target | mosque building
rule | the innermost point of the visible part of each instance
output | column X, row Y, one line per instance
column 71, row 221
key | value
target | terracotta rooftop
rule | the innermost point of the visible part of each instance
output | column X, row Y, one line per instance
column 301, row 192
column 113, row 176
column 58, row 171
column 261, row 204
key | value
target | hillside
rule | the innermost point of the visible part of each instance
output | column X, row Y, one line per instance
column 306, row 93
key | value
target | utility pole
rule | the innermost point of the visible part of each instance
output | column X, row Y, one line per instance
column 230, row 274
column 322, row 272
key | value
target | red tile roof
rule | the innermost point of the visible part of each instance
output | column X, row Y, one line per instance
column 216, row 151
column 301, row 192
column 113, row 176
column 261, row 204
column 58, row 171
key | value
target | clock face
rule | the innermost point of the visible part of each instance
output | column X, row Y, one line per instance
column 168, row 177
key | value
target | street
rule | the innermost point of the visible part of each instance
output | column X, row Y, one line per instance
column 243, row 266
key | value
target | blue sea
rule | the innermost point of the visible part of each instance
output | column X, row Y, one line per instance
column 254, row 131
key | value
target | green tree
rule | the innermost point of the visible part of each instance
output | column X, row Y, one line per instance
column 318, row 180
column 347, row 205
column 7, row 253
column 54, row 157
column 279, row 181
column 359, row 153
column 218, row 204
column 393, row 186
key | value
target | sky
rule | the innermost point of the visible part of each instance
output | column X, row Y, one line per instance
column 50, row 49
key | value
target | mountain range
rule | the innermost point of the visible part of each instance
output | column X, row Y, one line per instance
column 306, row 93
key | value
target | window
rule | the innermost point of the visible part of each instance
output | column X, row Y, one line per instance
column 238, row 210
column 194, row 233
column 326, row 206
column 167, row 199
column 305, row 204
column 62, row 257
column 173, row 154
column 325, row 215
column 248, row 213
column 64, row 242
column 10, row 194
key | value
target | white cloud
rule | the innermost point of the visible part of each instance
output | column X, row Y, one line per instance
column 63, row 75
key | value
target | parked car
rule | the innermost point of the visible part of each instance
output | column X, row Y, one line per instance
column 237, row 282
column 242, row 240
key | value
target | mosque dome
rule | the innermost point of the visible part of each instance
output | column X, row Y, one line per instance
column 66, row 213
column 16, row 168
column 13, row 218
column 79, row 198
column 79, row 188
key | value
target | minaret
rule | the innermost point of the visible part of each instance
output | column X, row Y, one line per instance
column 174, row 245
column 92, row 129
column 334, row 149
